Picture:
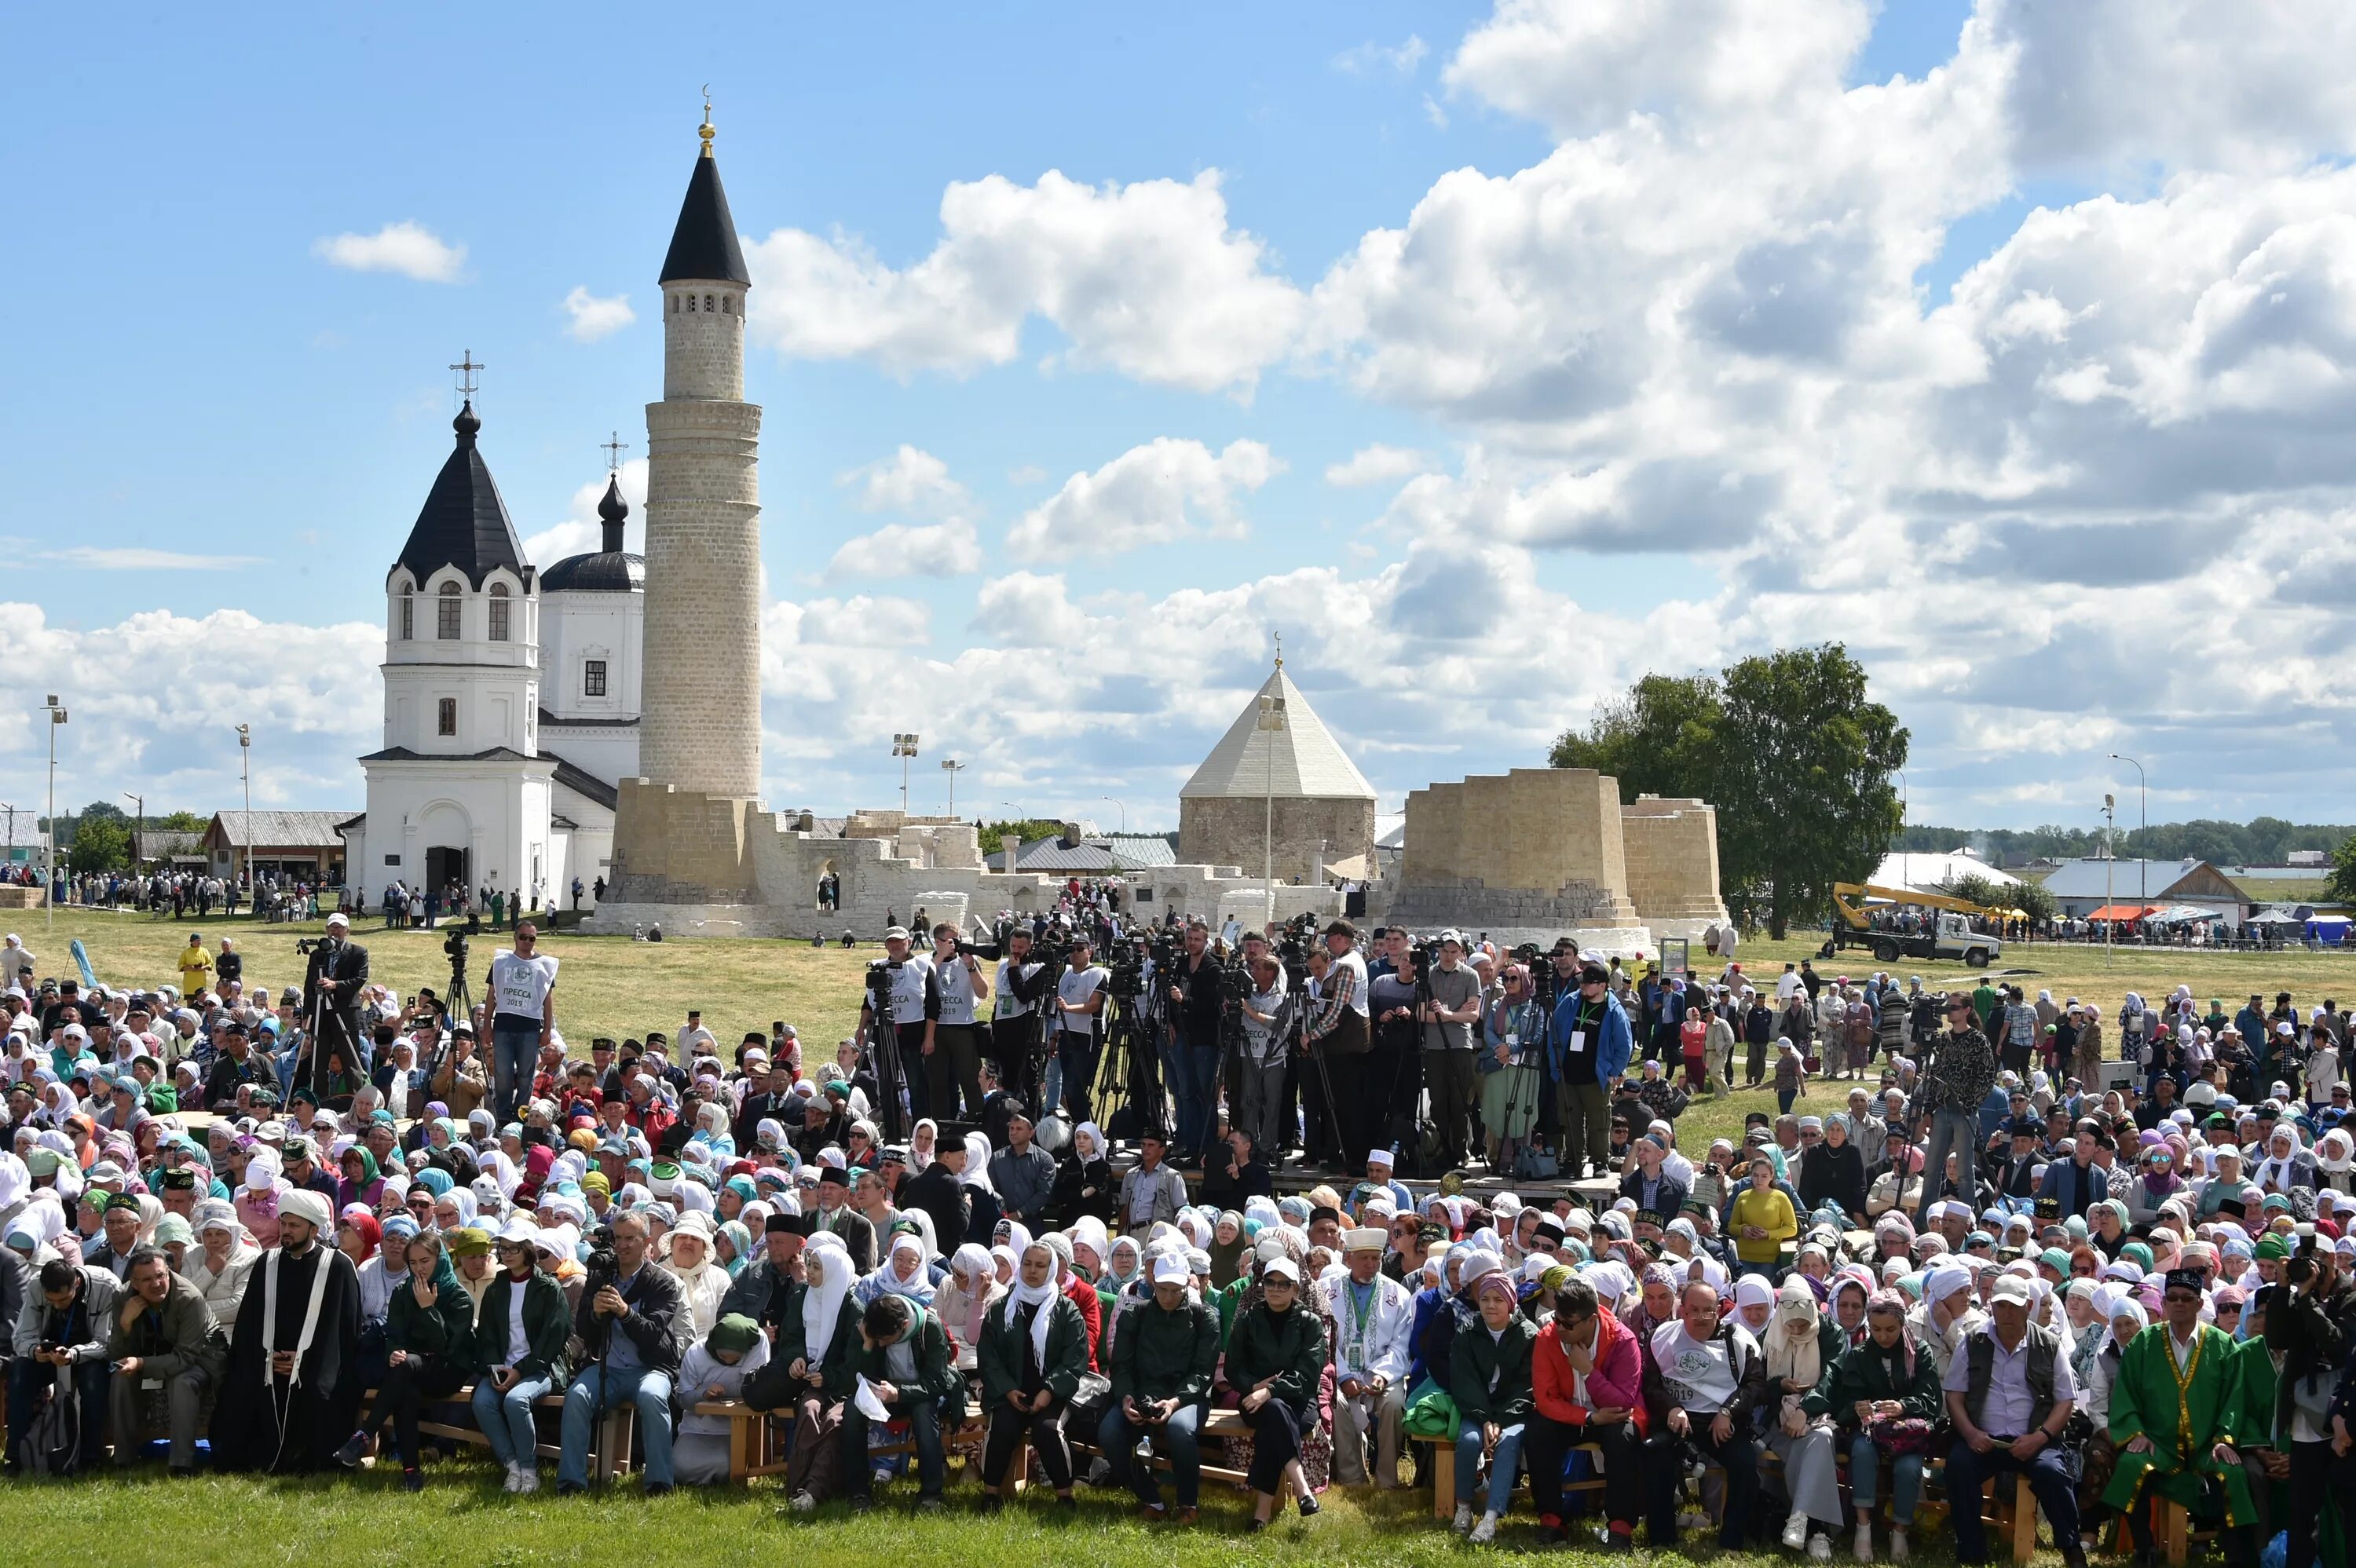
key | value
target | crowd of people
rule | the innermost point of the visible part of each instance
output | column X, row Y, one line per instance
column 291, row 1231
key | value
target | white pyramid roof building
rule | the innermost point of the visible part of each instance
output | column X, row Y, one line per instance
column 1300, row 761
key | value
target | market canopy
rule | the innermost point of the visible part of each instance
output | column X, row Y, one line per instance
column 2184, row 914
column 2275, row 917
column 2122, row 911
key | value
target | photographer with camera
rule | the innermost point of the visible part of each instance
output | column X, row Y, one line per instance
column 1079, row 1011
column 1956, row 1080
column 332, row 983
column 629, row 1332
column 519, row 1014
column 914, row 999
column 1340, row 1032
column 1193, row 994
column 1015, row 996
column 1451, row 1005
column 953, row 1062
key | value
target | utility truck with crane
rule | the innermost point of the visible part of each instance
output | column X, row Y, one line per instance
column 1946, row 932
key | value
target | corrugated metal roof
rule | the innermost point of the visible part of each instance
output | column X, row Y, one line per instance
column 1300, row 761
column 2084, row 878
column 235, row 829
column 1141, row 849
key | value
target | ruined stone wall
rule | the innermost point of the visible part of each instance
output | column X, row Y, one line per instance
column 1228, row 830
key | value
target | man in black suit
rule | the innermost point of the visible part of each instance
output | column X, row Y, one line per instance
column 331, row 994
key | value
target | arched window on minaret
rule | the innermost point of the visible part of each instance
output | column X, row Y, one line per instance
column 499, row 611
column 447, row 626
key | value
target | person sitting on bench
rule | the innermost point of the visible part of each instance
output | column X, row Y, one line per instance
column 1162, row 1362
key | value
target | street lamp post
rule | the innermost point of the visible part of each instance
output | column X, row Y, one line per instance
column 245, row 774
column 952, row 767
column 1122, row 805
column 1271, row 720
column 12, row 831
column 2110, row 863
column 49, row 894
column 2143, row 810
column 904, row 748
column 138, row 824
column 1905, row 790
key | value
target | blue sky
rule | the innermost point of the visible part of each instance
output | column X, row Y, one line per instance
column 1688, row 360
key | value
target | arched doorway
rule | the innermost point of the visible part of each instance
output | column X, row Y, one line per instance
column 828, row 893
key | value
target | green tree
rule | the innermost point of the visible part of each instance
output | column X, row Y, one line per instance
column 1804, row 785
column 1661, row 739
column 2342, row 889
column 180, row 821
column 105, row 809
column 991, row 836
column 100, row 843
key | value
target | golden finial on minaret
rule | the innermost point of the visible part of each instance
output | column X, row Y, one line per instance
column 704, row 129
column 1279, row 650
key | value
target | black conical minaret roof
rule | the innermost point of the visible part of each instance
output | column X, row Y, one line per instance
column 703, row 246
column 463, row 523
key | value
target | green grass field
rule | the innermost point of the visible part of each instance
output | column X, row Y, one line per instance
column 462, row 1518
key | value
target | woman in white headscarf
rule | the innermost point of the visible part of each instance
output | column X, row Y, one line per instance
column 902, row 1273
column 1035, row 1348
column 703, row 1283
column 1801, row 1437
column 965, row 1297
column 222, row 1258
column 829, row 1314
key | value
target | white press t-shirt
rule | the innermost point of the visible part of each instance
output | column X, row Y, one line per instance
column 519, row 985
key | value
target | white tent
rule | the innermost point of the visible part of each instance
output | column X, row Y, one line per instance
column 1930, row 873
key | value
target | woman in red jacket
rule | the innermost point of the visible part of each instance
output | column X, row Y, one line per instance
column 1587, row 1375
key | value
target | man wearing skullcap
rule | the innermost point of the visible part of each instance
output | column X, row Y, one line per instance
column 285, row 1406
column 1372, row 1319
column 2174, row 1415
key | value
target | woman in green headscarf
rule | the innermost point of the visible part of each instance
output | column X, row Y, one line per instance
column 429, row 1330
column 715, row 1370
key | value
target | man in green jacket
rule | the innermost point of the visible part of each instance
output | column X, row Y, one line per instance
column 163, row 1337
column 1162, row 1363
column 1489, row 1379
column 901, row 1370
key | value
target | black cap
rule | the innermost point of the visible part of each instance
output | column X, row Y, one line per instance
column 833, row 1174
column 789, row 1225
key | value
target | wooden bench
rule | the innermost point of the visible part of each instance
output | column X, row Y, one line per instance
column 618, row 1429
column 1216, row 1426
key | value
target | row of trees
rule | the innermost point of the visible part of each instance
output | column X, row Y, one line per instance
column 98, row 838
column 1790, row 749
column 2262, row 841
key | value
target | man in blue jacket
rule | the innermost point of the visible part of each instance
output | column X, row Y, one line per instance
column 1588, row 1046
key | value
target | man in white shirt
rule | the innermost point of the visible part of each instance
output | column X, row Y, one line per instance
column 1079, row 1009
column 1373, row 1317
column 953, row 1060
column 519, row 1009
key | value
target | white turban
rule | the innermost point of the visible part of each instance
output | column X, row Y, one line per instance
column 301, row 1203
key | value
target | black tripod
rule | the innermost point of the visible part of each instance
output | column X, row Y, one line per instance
column 883, row 1053
column 1129, row 1072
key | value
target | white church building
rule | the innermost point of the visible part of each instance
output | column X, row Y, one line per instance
column 510, row 702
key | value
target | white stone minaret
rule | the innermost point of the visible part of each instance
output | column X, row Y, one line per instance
column 700, row 698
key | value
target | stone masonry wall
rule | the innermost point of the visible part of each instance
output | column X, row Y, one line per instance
column 1542, row 831
column 1672, row 857
column 1229, row 830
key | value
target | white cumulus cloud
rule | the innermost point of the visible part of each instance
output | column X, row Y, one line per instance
column 594, row 317
column 407, row 247
column 1149, row 278
column 912, row 481
column 949, row 548
column 1165, row 490
column 1377, row 464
